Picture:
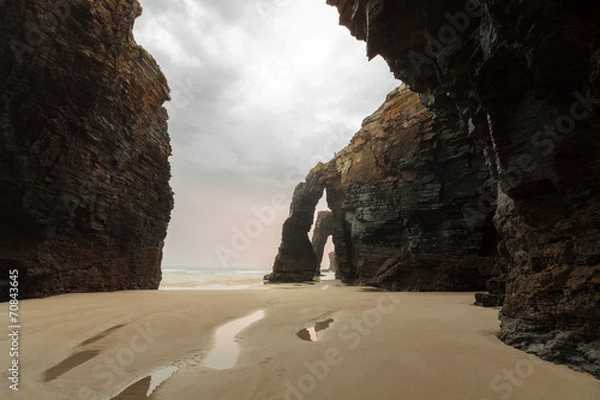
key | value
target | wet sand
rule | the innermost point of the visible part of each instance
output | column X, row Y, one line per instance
column 365, row 345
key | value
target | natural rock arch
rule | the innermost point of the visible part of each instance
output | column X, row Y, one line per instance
column 296, row 261
column 396, row 204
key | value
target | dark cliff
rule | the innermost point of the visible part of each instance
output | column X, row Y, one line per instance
column 521, row 78
column 84, row 173
column 398, row 196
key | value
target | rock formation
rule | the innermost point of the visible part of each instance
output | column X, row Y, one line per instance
column 397, row 196
column 84, row 173
column 323, row 229
column 332, row 262
column 521, row 78
column 296, row 261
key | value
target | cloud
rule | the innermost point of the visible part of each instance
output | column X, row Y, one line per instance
column 261, row 91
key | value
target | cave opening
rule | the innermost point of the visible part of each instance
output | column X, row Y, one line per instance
column 322, row 235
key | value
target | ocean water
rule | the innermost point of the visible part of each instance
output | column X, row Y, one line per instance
column 211, row 279
column 217, row 279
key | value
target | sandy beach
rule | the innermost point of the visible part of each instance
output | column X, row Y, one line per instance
column 369, row 345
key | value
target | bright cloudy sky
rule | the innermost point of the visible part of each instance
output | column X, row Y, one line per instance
column 261, row 91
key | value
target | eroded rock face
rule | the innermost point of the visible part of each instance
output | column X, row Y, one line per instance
column 84, row 173
column 332, row 262
column 296, row 261
column 522, row 78
column 397, row 196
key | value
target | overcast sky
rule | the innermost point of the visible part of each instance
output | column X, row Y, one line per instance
column 261, row 91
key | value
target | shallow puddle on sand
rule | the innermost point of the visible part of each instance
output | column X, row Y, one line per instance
column 226, row 349
column 311, row 334
column 144, row 388
column 223, row 356
column 160, row 376
column 137, row 391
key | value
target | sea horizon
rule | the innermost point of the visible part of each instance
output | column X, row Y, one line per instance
column 187, row 278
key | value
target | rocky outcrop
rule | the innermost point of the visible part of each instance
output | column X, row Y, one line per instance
column 332, row 262
column 496, row 287
column 398, row 195
column 296, row 261
column 322, row 231
column 523, row 79
column 84, row 173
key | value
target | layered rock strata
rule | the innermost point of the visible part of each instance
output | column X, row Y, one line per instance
column 522, row 78
column 84, row 173
column 397, row 195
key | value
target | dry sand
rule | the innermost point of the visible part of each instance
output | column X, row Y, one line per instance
column 379, row 346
